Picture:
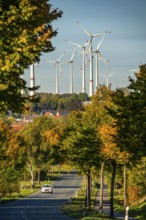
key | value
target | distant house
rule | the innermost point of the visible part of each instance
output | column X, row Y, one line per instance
column 17, row 126
column 48, row 114
column 54, row 113
column 29, row 118
column 57, row 115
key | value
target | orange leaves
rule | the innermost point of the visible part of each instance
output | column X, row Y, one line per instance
column 52, row 137
column 106, row 131
column 110, row 150
column 10, row 145
column 13, row 150
column 133, row 192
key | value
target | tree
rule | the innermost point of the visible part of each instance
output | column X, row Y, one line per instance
column 130, row 115
column 36, row 147
column 81, row 145
column 106, row 125
column 52, row 139
column 130, row 118
column 100, row 117
column 26, row 32
column 111, row 152
column 12, row 159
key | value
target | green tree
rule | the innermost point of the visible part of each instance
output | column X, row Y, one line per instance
column 81, row 146
column 130, row 117
column 26, row 32
column 110, row 152
column 98, row 113
column 38, row 150
column 12, row 159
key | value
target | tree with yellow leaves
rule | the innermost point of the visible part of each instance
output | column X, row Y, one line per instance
column 111, row 152
column 26, row 32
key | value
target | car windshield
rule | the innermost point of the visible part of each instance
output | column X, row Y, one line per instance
column 46, row 186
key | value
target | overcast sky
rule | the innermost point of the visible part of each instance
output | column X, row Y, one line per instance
column 125, row 47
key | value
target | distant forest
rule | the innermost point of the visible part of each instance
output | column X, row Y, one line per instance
column 68, row 102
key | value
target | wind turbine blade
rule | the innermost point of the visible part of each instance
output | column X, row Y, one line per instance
column 88, row 33
column 100, row 42
column 86, row 43
column 50, row 61
column 103, row 59
column 59, row 68
column 103, row 75
column 106, row 32
column 74, row 44
column 100, row 55
column 96, row 35
column 133, row 70
column 111, row 74
column 60, row 57
column 73, row 54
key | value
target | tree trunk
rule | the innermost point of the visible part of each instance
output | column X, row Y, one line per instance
column 101, row 188
column 32, row 175
column 112, row 189
column 125, row 186
column 31, row 171
column 39, row 176
column 88, row 189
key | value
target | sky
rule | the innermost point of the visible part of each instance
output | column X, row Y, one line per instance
column 124, row 47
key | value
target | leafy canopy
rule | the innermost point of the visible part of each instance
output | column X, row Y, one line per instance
column 26, row 32
column 131, row 115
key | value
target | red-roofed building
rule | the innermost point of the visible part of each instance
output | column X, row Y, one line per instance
column 17, row 126
column 47, row 114
column 57, row 115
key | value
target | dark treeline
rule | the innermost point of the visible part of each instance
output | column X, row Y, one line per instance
column 49, row 101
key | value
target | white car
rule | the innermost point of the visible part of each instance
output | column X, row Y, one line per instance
column 47, row 188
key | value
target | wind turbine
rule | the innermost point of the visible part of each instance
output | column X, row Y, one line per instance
column 83, row 47
column 97, row 54
column 134, row 71
column 91, row 57
column 57, row 69
column 32, row 80
column 107, row 78
column 71, row 71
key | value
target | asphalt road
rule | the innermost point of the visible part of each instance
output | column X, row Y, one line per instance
column 43, row 206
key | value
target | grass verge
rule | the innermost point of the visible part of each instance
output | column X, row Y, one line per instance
column 75, row 207
column 26, row 190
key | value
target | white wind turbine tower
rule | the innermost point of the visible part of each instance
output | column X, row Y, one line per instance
column 38, row 76
column 32, row 80
column 57, row 69
column 71, row 70
column 83, row 47
column 22, row 90
column 107, row 78
column 97, row 52
column 91, row 57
